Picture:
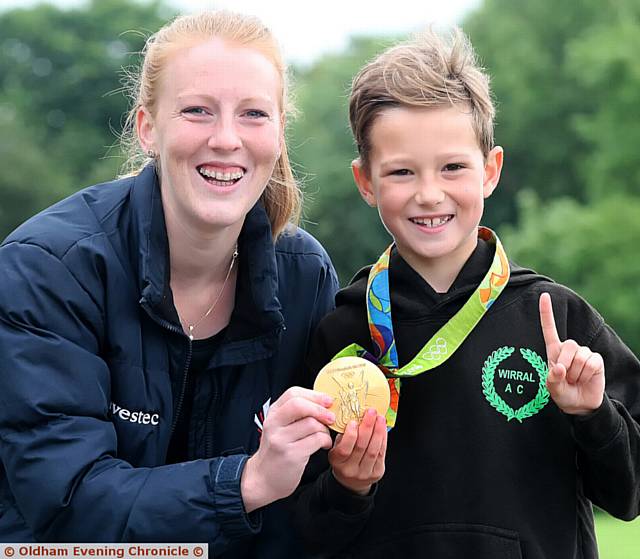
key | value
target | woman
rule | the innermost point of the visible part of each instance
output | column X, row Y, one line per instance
column 146, row 325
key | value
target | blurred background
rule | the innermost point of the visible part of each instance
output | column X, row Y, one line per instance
column 566, row 77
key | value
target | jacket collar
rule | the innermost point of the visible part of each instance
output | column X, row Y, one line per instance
column 257, row 309
column 151, row 244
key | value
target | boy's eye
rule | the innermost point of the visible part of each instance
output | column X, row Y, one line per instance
column 401, row 172
column 453, row 166
column 256, row 113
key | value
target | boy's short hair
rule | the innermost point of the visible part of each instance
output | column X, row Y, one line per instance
column 429, row 70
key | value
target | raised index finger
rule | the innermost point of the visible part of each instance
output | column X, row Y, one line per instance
column 548, row 323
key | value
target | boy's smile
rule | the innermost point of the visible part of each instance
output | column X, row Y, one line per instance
column 428, row 178
column 432, row 223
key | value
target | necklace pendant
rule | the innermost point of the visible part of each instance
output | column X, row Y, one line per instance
column 192, row 327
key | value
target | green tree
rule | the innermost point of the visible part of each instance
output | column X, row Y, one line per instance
column 60, row 98
column 605, row 63
column 28, row 181
column 524, row 45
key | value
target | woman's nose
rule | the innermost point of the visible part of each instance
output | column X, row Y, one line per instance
column 224, row 136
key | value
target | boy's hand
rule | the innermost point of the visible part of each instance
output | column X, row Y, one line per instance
column 576, row 374
column 357, row 457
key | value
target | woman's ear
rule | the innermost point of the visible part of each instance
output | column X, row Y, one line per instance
column 145, row 130
column 363, row 182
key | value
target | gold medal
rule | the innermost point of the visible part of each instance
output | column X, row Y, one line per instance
column 356, row 385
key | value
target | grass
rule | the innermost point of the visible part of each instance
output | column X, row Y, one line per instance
column 617, row 539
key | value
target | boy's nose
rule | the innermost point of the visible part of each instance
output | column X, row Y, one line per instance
column 429, row 193
column 224, row 136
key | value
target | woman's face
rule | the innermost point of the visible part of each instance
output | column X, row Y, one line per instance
column 217, row 131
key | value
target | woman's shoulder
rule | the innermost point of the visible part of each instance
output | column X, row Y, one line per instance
column 80, row 216
column 295, row 240
column 302, row 260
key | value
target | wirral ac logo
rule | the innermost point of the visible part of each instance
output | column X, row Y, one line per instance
column 511, row 387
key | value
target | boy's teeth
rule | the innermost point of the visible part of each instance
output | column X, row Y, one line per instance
column 435, row 222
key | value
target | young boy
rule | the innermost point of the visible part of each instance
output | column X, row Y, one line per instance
column 501, row 435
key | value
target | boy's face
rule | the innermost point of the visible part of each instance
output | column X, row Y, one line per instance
column 428, row 178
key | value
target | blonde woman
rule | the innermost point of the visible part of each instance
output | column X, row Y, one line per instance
column 150, row 327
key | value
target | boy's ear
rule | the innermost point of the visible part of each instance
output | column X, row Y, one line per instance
column 145, row 130
column 492, row 170
column 363, row 182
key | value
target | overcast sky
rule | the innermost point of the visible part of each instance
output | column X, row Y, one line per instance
column 307, row 29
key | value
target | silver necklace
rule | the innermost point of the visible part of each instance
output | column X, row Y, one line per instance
column 192, row 327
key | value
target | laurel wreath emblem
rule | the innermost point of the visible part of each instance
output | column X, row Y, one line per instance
column 489, row 390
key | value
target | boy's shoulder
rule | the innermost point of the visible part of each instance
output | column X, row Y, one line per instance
column 351, row 311
column 355, row 291
column 347, row 323
column 529, row 281
column 575, row 317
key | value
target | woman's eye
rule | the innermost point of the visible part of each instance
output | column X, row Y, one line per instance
column 195, row 111
column 453, row 167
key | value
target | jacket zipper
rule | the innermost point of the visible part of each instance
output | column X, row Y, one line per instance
column 211, row 419
column 172, row 328
column 183, row 389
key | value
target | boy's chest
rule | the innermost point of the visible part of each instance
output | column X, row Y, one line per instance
column 496, row 376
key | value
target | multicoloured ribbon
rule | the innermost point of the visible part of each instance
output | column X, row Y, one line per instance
column 444, row 342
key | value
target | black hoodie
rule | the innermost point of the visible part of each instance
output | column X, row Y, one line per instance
column 462, row 479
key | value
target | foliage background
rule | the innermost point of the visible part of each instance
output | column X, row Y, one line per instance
column 566, row 77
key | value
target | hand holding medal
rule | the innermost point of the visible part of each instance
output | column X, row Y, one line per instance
column 294, row 429
column 361, row 399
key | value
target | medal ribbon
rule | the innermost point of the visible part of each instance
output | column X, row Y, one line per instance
column 444, row 342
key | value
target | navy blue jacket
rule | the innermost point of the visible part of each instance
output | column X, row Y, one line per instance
column 92, row 369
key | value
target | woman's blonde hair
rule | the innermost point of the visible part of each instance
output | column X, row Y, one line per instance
column 281, row 197
column 430, row 70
